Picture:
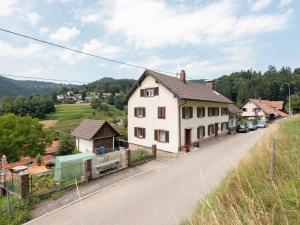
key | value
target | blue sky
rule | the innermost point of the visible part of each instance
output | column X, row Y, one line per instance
column 206, row 38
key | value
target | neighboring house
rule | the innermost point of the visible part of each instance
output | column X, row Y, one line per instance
column 263, row 109
column 234, row 114
column 172, row 112
column 88, row 98
column 92, row 134
column 60, row 97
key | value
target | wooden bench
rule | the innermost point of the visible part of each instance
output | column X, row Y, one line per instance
column 110, row 164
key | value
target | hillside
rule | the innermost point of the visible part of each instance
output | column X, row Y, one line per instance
column 248, row 195
column 12, row 88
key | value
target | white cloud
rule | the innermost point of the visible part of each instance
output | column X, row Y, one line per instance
column 8, row 50
column 33, row 18
column 284, row 3
column 44, row 30
column 90, row 18
column 151, row 23
column 99, row 48
column 7, row 7
column 260, row 4
column 65, row 34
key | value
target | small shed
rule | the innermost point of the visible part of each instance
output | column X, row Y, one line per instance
column 92, row 135
column 70, row 167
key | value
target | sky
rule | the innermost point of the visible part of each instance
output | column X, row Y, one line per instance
column 205, row 38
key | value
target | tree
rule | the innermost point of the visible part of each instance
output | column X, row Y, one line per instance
column 83, row 95
column 22, row 136
column 99, row 104
column 295, row 103
column 67, row 145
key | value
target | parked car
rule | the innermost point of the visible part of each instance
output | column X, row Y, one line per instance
column 261, row 124
column 252, row 126
column 243, row 128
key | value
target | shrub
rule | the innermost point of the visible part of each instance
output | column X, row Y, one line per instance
column 139, row 156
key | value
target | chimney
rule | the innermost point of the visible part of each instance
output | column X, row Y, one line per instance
column 182, row 76
column 209, row 83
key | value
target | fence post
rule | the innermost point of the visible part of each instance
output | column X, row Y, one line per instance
column 25, row 185
column 89, row 170
column 272, row 159
column 154, row 151
column 129, row 157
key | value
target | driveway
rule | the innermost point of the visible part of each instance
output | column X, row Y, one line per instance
column 163, row 195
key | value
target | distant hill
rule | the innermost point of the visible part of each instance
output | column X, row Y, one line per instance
column 12, row 88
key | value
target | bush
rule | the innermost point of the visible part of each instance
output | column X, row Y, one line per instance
column 139, row 155
column 67, row 145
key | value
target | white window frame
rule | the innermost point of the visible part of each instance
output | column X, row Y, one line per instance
column 150, row 92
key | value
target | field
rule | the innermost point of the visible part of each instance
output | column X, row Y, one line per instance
column 249, row 194
column 68, row 116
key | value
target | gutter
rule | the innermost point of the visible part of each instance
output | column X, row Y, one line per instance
column 179, row 121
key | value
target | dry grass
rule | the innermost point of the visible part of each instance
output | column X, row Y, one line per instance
column 248, row 195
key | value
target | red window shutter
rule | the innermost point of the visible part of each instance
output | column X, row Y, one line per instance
column 135, row 131
column 155, row 91
column 144, row 132
column 135, row 112
column 144, row 112
column 183, row 112
column 155, row 135
column 164, row 112
column 167, row 136
column 159, row 112
column 142, row 92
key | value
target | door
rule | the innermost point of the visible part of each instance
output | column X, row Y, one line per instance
column 216, row 129
column 188, row 136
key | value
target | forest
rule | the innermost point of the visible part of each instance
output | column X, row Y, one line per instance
column 272, row 85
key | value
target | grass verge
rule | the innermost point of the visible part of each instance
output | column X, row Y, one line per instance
column 248, row 195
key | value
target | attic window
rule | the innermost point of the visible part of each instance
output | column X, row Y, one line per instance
column 150, row 92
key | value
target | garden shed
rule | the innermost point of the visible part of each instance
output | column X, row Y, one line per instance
column 97, row 136
column 73, row 166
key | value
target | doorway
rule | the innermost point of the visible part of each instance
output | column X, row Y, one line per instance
column 216, row 129
column 188, row 136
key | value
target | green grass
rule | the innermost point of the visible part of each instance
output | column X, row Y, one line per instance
column 69, row 116
column 19, row 211
column 248, row 195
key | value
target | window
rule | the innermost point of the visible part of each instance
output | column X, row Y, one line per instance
column 224, row 126
column 244, row 109
column 161, row 136
column 139, row 132
column 256, row 110
column 201, row 132
column 200, row 112
column 213, row 111
column 187, row 112
column 211, row 129
column 139, row 112
column 224, row 111
column 161, row 112
column 149, row 92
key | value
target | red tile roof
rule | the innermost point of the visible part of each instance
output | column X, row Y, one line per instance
column 270, row 107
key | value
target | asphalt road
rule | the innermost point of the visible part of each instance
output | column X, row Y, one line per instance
column 163, row 195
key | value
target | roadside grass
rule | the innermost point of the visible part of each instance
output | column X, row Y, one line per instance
column 248, row 195
column 69, row 116
column 14, row 211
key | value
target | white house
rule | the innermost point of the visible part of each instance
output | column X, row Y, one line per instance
column 172, row 112
column 263, row 109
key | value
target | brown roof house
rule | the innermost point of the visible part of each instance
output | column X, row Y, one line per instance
column 173, row 112
column 97, row 136
column 263, row 109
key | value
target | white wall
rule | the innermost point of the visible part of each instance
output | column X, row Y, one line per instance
column 151, row 122
column 84, row 145
column 232, row 120
column 249, row 113
column 195, row 122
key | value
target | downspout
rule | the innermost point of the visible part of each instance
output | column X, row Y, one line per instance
column 179, row 121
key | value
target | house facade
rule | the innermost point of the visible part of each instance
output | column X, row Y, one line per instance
column 172, row 112
column 234, row 115
column 263, row 109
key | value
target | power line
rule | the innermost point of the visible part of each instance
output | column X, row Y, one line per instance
column 81, row 52
column 39, row 78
